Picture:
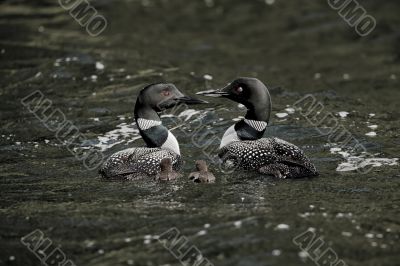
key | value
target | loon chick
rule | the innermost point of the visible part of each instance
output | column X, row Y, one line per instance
column 202, row 175
column 167, row 173
column 242, row 145
column 134, row 163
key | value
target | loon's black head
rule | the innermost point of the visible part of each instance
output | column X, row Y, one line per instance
column 250, row 92
column 151, row 100
column 161, row 96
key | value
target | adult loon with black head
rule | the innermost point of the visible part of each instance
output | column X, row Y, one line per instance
column 243, row 144
column 134, row 163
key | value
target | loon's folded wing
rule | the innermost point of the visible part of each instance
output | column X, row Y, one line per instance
column 292, row 155
column 254, row 154
column 249, row 154
column 143, row 161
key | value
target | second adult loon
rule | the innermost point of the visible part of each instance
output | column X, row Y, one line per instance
column 243, row 145
column 140, row 162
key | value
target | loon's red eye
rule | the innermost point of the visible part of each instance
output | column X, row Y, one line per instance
column 239, row 89
column 166, row 92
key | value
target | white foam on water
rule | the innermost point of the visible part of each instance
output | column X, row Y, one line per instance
column 353, row 162
column 238, row 118
column 317, row 75
column 348, row 234
column 99, row 66
column 202, row 232
column 371, row 134
column 208, row 77
column 238, row 224
column 334, row 150
column 167, row 116
column 373, row 126
column 282, row 227
column 123, row 133
column 343, row 114
column 290, row 110
column 188, row 114
column 276, row 252
column 303, row 255
column 281, row 115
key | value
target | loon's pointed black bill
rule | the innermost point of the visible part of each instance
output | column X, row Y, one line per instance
column 213, row 93
column 189, row 100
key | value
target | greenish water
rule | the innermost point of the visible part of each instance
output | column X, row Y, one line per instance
column 295, row 47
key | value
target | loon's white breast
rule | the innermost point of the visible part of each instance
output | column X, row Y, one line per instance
column 171, row 143
column 231, row 134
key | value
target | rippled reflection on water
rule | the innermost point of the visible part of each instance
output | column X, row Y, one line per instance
column 243, row 219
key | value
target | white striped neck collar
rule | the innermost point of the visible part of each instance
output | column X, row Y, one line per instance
column 257, row 125
column 145, row 124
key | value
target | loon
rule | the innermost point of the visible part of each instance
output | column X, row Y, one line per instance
column 202, row 175
column 243, row 145
column 135, row 163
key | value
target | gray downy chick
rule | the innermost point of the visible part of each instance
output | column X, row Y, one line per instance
column 167, row 173
column 202, row 175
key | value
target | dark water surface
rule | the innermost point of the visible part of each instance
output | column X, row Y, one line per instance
column 295, row 47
